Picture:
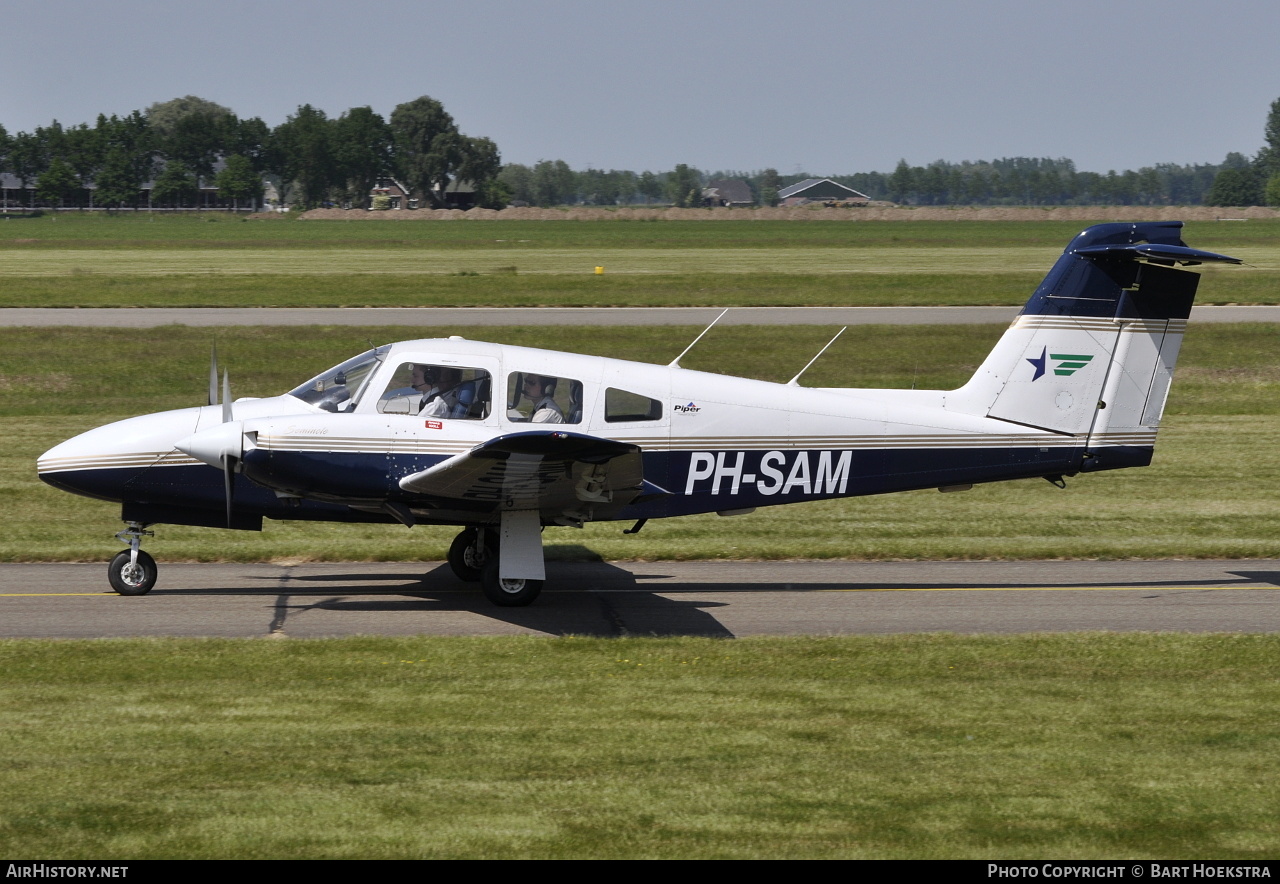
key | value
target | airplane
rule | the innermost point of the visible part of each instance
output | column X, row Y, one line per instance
column 504, row 441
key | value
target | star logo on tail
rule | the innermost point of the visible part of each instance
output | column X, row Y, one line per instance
column 1039, row 364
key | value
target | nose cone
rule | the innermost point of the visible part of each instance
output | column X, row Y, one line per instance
column 215, row 446
column 101, row 462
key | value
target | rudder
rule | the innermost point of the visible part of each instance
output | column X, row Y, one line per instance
column 1092, row 353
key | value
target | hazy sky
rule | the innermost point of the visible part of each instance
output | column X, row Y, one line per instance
column 823, row 87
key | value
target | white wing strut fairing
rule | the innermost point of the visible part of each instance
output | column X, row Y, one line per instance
column 504, row 441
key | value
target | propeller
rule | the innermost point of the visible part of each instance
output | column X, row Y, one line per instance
column 221, row 446
column 213, row 376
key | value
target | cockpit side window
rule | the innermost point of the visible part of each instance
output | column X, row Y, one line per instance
column 339, row 389
column 438, row 391
column 543, row 399
column 623, row 406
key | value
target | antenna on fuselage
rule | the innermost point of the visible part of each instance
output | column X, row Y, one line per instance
column 794, row 382
column 675, row 363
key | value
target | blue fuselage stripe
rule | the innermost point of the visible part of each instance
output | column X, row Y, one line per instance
column 699, row 481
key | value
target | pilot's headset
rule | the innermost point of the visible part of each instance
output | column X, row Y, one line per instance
column 548, row 385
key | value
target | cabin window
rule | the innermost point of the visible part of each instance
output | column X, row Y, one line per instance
column 624, row 406
column 543, row 399
column 437, row 391
column 339, row 389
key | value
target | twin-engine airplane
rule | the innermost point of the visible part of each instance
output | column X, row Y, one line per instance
column 504, row 440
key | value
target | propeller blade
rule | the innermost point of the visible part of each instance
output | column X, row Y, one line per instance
column 226, row 397
column 227, row 483
column 213, row 376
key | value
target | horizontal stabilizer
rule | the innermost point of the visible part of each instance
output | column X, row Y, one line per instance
column 1158, row 252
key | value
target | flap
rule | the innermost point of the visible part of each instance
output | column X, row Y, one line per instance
column 554, row 472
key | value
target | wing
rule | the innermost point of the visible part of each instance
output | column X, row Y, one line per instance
column 565, row 476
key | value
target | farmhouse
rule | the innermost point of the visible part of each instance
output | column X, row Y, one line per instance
column 388, row 193
column 727, row 192
column 820, row 190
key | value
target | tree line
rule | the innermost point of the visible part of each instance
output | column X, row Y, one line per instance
column 1013, row 181
column 181, row 144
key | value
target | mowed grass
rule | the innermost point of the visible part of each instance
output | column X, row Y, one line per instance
column 218, row 261
column 1025, row 747
column 1210, row 492
column 221, row 230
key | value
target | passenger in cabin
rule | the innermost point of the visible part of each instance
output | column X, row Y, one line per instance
column 539, row 390
column 442, row 399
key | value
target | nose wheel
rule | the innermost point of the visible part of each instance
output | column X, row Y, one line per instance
column 130, row 577
column 132, row 572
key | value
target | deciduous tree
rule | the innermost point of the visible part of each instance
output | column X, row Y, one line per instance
column 1234, row 187
column 176, row 186
column 238, row 181
column 117, row 182
column 362, row 152
column 428, row 147
column 684, row 186
column 57, row 184
column 302, row 155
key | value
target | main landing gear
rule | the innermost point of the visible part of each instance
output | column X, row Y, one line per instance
column 132, row 572
column 474, row 557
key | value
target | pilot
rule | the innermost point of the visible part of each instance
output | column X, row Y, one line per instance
column 427, row 380
column 538, row 390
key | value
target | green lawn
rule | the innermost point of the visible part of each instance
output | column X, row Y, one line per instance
column 219, row 260
column 220, row 230
column 1015, row 747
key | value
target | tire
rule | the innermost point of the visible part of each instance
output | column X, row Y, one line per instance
column 463, row 560
column 506, row 593
column 128, row 580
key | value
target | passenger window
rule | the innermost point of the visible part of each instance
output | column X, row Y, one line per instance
column 622, row 405
column 543, row 399
column 439, row 391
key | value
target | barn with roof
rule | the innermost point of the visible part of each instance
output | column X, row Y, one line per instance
column 820, row 190
column 728, row 192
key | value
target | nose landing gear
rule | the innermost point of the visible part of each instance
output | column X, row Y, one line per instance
column 132, row 572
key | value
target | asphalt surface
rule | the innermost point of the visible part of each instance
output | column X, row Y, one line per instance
column 419, row 318
column 726, row 599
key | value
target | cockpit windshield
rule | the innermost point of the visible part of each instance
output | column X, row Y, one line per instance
column 339, row 389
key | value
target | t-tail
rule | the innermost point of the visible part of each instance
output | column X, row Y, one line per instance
column 1092, row 353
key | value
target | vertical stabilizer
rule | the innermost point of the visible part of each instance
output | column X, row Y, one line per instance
column 1092, row 353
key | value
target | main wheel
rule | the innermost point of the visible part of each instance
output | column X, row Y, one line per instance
column 465, row 560
column 506, row 593
column 132, row 579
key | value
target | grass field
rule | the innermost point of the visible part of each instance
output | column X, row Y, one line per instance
column 1030, row 747
column 1209, row 493
column 217, row 260
column 218, row 230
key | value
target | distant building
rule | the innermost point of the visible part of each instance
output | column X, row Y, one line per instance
column 12, row 194
column 395, row 194
column 15, row 195
column 460, row 195
column 820, row 190
column 728, row 192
